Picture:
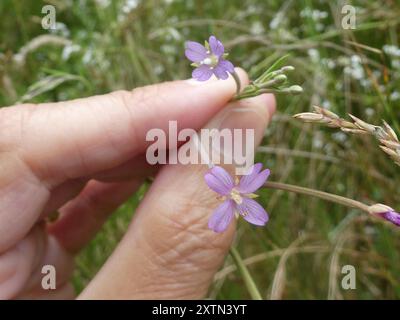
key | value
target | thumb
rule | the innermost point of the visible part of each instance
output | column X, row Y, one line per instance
column 168, row 251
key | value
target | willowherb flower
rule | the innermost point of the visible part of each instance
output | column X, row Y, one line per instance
column 208, row 59
column 237, row 195
column 385, row 212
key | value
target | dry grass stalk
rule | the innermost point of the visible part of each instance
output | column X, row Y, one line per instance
column 386, row 136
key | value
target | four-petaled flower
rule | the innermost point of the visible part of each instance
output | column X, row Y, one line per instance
column 237, row 196
column 208, row 59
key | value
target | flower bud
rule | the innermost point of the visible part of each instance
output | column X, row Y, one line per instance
column 379, row 208
column 385, row 212
column 287, row 68
column 280, row 79
column 295, row 89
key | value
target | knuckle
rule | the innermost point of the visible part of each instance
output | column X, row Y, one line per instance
column 12, row 122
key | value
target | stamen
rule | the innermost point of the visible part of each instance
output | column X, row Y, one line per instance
column 207, row 61
column 245, row 213
column 236, row 196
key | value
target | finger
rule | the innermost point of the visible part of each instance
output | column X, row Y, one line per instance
column 62, row 194
column 82, row 217
column 16, row 266
column 80, row 220
column 88, row 135
column 168, row 251
column 22, row 199
column 84, row 137
column 135, row 169
column 21, row 266
column 48, row 252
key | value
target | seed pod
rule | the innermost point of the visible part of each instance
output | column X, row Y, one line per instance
column 390, row 131
column 390, row 144
column 390, row 152
column 356, row 131
column 362, row 124
column 329, row 114
column 309, row 116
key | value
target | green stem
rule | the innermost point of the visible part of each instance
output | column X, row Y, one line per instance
column 248, row 280
column 319, row 194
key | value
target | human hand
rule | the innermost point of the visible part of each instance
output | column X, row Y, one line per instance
column 84, row 158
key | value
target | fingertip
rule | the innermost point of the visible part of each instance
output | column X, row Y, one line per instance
column 269, row 102
column 264, row 102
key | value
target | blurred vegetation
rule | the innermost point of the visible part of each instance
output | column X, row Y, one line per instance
column 103, row 45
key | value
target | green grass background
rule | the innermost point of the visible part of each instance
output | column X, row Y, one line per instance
column 105, row 45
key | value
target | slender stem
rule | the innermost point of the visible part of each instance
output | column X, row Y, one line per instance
column 248, row 280
column 237, row 80
column 319, row 194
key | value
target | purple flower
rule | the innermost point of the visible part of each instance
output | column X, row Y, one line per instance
column 208, row 59
column 392, row 216
column 237, row 197
column 385, row 212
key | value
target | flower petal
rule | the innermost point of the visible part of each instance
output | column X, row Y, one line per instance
column 226, row 65
column 392, row 216
column 195, row 51
column 251, row 211
column 220, row 72
column 219, row 180
column 253, row 180
column 202, row 73
column 216, row 46
column 222, row 216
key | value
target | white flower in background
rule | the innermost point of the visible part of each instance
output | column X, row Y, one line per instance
column 391, row 50
column 276, row 21
column 395, row 96
column 88, row 56
column 329, row 63
column 355, row 69
column 339, row 136
column 61, row 29
column 68, row 50
column 129, row 5
column 317, row 140
column 257, row 28
column 326, row 104
column 396, row 64
column 315, row 15
column 103, row 3
column 369, row 112
column 313, row 54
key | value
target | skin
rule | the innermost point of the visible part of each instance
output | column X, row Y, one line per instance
column 85, row 158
